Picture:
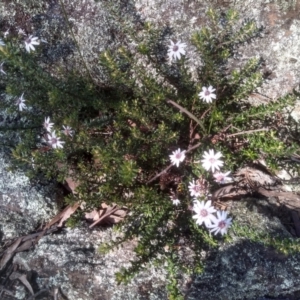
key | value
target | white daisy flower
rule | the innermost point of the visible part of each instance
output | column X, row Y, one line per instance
column 1, row 68
column 222, row 177
column 175, row 201
column 32, row 163
column 54, row 140
column 47, row 125
column 6, row 33
column 30, row 42
column 21, row 31
column 2, row 43
column 21, row 102
column 207, row 94
column 196, row 190
column 127, row 195
column 211, row 160
column 204, row 212
column 67, row 130
column 220, row 223
column 177, row 157
column 176, row 50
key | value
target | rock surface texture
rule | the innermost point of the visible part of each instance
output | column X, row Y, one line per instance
column 71, row 262
column 249, row 270
column 68, row 262
column 23, row 206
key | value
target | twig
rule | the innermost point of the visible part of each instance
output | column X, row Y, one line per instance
column 192, row 130
column 261, row 95
column 159, row 174
column 203, row 115
column 55, row 293
column 295, row 158
column 37, row 294
column 23, row 279
column 3, row 289
column 193, row 147
column 249, row 131
column 107, row 213
column 182, row 109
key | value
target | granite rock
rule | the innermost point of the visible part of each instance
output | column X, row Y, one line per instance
column 24, row 205
column 69, row 260
column 249, row 270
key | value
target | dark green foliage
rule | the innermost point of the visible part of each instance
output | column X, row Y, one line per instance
column 126, row 129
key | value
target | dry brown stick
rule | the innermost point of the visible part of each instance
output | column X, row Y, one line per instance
column 182, row 109
column 160, row 173
column 24, row 280
column 55, row 293
column 108, row 213
column 261, row 95
column 3, row 289
column 192, row 129
column 203, row 115
column 37, row 294
column 249, row 131
column 190, row 149
column 21, row 244
column 9, row 252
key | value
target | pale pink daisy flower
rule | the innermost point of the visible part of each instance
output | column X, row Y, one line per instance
column 211, row 160
column 21, row 102
column 176, row 50
column 54, row 140
column 6, row 33
column 177, row 157
column 175, row 201
column 67, row 130
column 30, row 42
column 196, row 189
column 47, row 124
column 21, row 31
column 220, row 223
column 222, row 177
column 32, row 163
column 207, row 94
column 204, row 212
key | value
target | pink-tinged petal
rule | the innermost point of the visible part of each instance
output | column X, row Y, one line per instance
column 177, row 54
column 218, row 155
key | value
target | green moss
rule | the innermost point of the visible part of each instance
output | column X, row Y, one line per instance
column 284, row 245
